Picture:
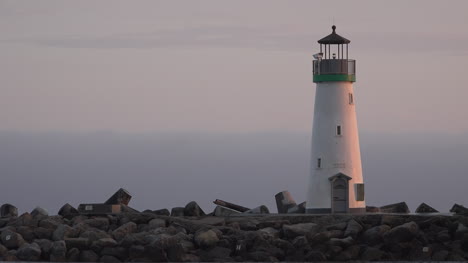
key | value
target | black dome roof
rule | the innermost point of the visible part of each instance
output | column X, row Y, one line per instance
column 334, row 38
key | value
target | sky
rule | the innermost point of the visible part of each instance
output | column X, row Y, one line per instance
column 108, row 73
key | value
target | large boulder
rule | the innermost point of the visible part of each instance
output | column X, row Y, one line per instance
column 8, row 210
column 64, row 231
column 298, row 209
column 258, row 210
column 459, row 209
column 68, row 211
column 101, row 223
column 39, row 212
column 193, row 209
column 401, row 207
column 372, row 254
column 11, row 240
column 58, row 251
column 73, row 255
column 425, row 208
column 177, row 211
column 223, row 211
column 124, row 230
column 284, row 202
column 78, row 242
column 353, row 228
column 121, row 197
column 292, row 231
column 88, row 256
column 29, row 252
column 401, row 233
column 374, row 235
column 45, row 245
column 161, row 212
column 342, row 242
column 206, row 238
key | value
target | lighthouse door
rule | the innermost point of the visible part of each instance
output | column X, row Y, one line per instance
column 340, row 195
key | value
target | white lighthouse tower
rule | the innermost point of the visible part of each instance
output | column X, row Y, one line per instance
column 336, row 184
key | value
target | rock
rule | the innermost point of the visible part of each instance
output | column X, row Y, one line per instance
column 163, row 241
column 314, row 256
column 284, row 202
column 443, row 236
column 24, row 220
column 121, row 197
column 73, row 255
column 124, row 230
column 45, row 245
column 464, row 243
column 101, row 223
column 128, row 209
column 26, row 232
column 261, row 256
column 193, row 209
column 206, row 239
column 68, row 211
column 29, row 252
column 94, row 235
column 216, row 254
column 292, row 231
column 424, row 208
column 78, row 242
column 157, row 222
column 11, row 240
column 459, row 209
column 88, row 256
column 177, row 211
column 49, row 223
column 372, row 254
column 353, row 228
column 10, row 256
column 300, row 241
column 318, row 238
column 401, row 207
column 102, row 243
column 341, row 242
column 374, row 235
column 107, row 258
column 64, row 231
column 161, row 212
column 440, row 255
column 298, row 209
column 392, row 220
column 372, row 209
column 348, row 254
column 176, row 253
column 39, row 212
column 270, row 232
column 8, row 210
column 461, row 230
column 402, row 233
column 118, row 252
column 223, row 211
column 136, row 251
column 258, row 210
column 3, row 250
column 42, row 233
column 58, row 251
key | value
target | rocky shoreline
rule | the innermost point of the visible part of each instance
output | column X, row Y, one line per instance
column 158, row 237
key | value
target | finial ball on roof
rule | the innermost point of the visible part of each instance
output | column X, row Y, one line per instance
column 333, row 27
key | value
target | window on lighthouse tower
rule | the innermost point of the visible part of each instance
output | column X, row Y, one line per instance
column 351, row 99
column 338, row 130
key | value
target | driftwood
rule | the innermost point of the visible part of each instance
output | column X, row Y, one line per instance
column 231, row 205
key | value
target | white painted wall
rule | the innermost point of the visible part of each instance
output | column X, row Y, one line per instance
column 338, row 153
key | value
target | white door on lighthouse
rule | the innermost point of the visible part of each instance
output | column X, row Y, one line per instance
column 339, row 195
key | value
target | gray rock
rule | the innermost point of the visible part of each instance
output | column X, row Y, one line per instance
column 43, row 233
column 353, row 228
column 298, row 209
column 440, row 255
column 123, row 230
column 3, row 250
column 118, row 252
column 216, row 254
column 121, row 197
column 402, row 233
column 45, row 245
column 78, row 242
column 58, row 251
column 24, row 219
column 11, row 240
column 401, row 207
column 157, row 222
column 350, row 253
column 94, row 235
column 49, row 223
column 107, row 258
column 163, row 241
column 8, row 210
column 206, row 239
column 88, row 256
column 459, row 209
column 284, row 201
column 443, row 236
column 372, row 254
column 136, row 251
column 177, row 211
column 342, row 242
column 101, row 223
column 193, row 209
column 392, row 220
column 26, row 232
column 68, row 211
column 161, row 212
column 292, row 231
column 63, row 231
column 39, row 212
column 374, row 235
column 425, row 208
column 223, row 211
column 314, row 256
column 102, row 243
column 176, row 253
column 270, row 232
column 73, row 255
column 29, row 252
column 258, row 210
column 300, row 242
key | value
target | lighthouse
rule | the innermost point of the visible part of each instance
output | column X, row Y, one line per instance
column 335, row 183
